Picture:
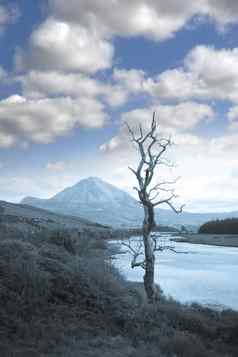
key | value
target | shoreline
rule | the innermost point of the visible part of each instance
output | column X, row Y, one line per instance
column 219, row 240
column 222, row 240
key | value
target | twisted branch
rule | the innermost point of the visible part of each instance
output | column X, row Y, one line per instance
column 148, row 162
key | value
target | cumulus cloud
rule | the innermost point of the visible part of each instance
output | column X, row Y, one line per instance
column 53, row 83
column 77, row 35
column 74, row 42
column 181, row 117
column 208, row 73
column 222, row 11
column 172, row 119
column 156, row 19
column 65, row 46
column 40, row 84
column 42, row 120
column 131, row 80
column 124, row 18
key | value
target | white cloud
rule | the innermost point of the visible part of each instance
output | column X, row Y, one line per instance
column 209, row 173
column 53, row 83
column 40, row 84
column 42, row 120
column 208, row 73
column 43, row 184
column 222, row 11
column 124, row 18
column 156, row 19
column 180, row 117
column 112, row 144
column 225, row 145
column 116, row 96
column 58, row 45
column 173, row 119
column 131, row 80
column 56, row 166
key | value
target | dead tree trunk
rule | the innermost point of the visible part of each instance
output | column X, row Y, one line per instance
column 149, row 254
column 148, row 196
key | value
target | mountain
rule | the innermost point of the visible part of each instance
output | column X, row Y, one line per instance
column 99, row 201
column 96, row 200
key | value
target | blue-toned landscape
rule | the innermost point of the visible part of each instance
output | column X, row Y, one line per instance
column 118, row 178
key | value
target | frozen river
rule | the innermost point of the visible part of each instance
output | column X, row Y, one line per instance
column 205, row 274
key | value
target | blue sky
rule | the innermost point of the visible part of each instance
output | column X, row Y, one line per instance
column 72, row 72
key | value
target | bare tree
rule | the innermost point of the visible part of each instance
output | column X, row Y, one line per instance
column 151, row 149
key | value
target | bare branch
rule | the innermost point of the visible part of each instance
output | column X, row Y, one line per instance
column 166, row 200
column 131, row 132
column 134, row 172
column 141, row 132
column 170, row 190
column 136, row 189
column 166, row 162
column 176, row 210
column 170, row 204
column 161, row 248
column 151, row 150
column 135, row 252
column 159, row 186
column 163, row 148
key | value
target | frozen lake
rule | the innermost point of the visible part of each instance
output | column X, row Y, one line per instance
column 206, row 274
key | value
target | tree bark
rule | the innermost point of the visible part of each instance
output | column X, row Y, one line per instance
column 149, row 253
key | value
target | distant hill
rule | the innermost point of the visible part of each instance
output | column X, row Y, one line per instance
column 225, row 226
column 42, row 215
column 99, row 201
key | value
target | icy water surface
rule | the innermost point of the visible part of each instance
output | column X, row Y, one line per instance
column 205, row 274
